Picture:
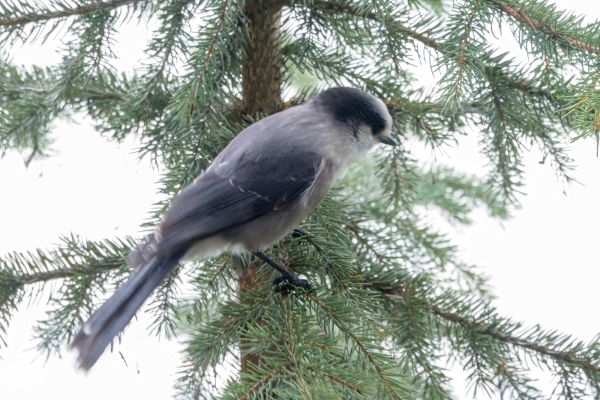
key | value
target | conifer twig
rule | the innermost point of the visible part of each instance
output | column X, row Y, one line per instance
column 515, row 340
column 337, row 379
column 360, row 344
column 518, row 13
column 487, row 330
column 265, row 379
column 46, row 15
column 27, row 279
column 463, row 48
column 516, row 83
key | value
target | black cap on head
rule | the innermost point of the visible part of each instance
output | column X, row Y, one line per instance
column 353, row 107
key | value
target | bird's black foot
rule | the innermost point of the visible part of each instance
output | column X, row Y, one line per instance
column 289, row 278
column 297, row 233
column 290, row 281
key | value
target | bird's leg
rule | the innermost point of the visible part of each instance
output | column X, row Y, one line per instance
column 297, row 233
column 286, row 275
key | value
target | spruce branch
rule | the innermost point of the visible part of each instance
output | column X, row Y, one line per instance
column 519, row 84
column 463, row 49
column 338, row 258
column 504, row 145
column 73, row 258
column 347, row 8
column 168, row 44
column 10, row 296
column 354, row 338
column 28, row 279
column 209, row 53
column 535, row 20
column 210, row 341
column 85, row 269
column 337, row 379
column 340, row 322
column 49, row 14
column 484, row 329
column 411, row 330
column 164, row 308
column 174, row 18
column 265, row 379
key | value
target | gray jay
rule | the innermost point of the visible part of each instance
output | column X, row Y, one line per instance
column 257, row 190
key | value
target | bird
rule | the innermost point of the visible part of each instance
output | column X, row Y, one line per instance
column 270, row 177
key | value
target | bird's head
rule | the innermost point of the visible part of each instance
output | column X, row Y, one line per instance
column 363, row 116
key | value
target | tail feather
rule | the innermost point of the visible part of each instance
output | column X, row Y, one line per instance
column 114, row 315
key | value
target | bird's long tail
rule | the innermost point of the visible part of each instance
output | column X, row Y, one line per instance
column 114, row 315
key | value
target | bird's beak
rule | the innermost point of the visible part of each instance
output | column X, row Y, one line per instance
column 387, row 140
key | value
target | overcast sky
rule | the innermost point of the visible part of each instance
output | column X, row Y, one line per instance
column 543, row 262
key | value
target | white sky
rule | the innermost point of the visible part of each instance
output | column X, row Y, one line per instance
column 543, row 262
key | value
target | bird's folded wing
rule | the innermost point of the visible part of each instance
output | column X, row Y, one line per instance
column 235, row 191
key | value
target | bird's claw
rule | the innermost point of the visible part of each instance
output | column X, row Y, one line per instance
column 286, row 283
column 297, row 233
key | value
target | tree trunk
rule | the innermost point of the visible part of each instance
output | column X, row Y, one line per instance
column 261, row 93
column 261, row 69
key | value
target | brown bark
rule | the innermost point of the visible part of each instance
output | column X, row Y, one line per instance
column 261, row 68
column 246, row 281
column 261, row 94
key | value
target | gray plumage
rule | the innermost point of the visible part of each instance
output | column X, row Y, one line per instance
column 261, row 186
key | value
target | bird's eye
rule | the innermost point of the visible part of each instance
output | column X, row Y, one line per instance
column 377, row 127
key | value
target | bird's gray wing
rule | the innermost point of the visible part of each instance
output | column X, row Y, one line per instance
column 235, row 190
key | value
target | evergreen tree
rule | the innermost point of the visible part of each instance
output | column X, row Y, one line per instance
column 393, row 302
